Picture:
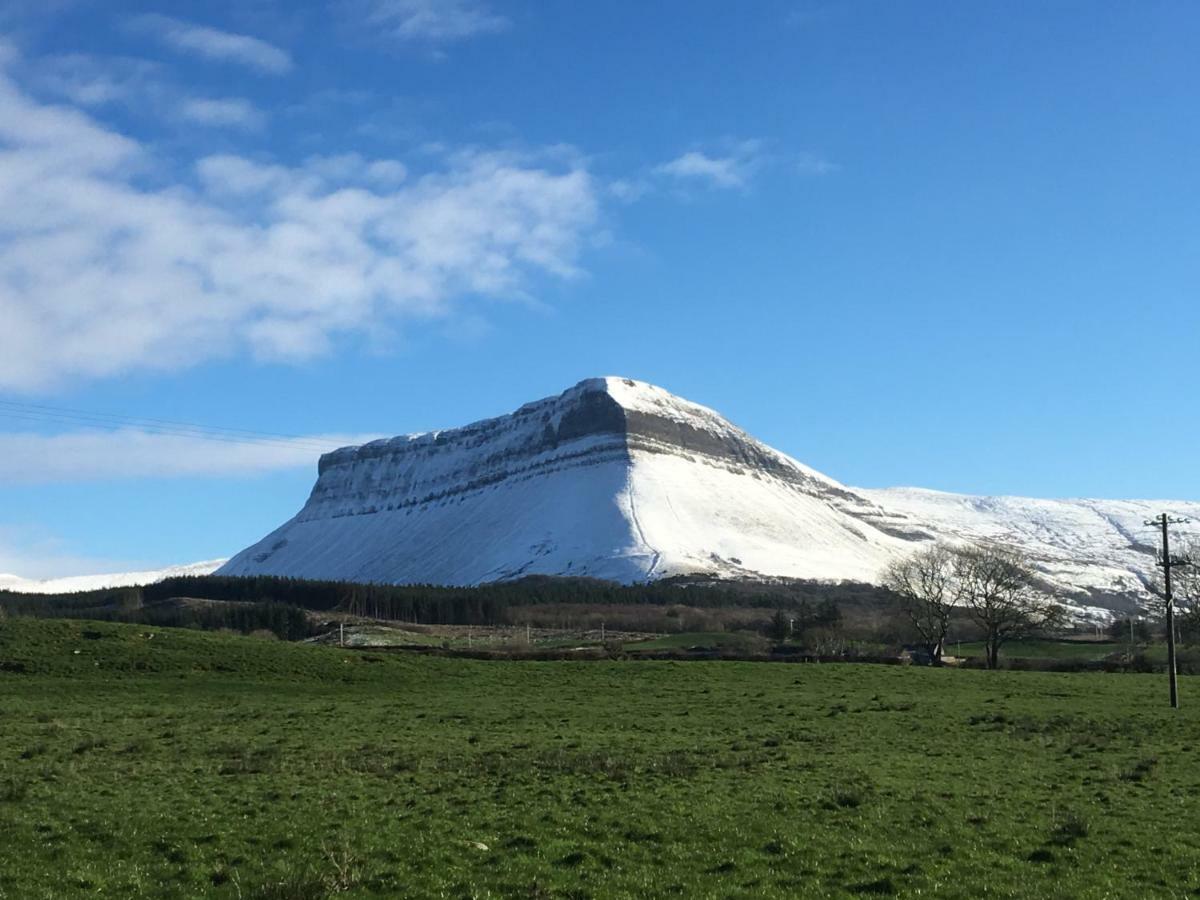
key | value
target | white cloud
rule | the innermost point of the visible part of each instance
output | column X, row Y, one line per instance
column 131, row 453
column 387, row 171
column 88, row 81
column 140, row 87
column 231, row 111
column 732, row 169
column 213, row 44
column 101, row 274
column 628, row 190
column 723, row 172
column 430, row 20
column 352, row 167
column 737, row 164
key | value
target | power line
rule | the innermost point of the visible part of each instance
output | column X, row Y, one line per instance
column 92, row 414
column 12, row 409
column 219, row 437
column 308, row 444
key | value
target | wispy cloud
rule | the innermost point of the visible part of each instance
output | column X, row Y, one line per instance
column 717, row 171
column 101, row 274
column 436, row 21
column 94, row 82
column 735, row 164
column 730, row 168
column 813, row 165
column 214, row 44
column 629, row 190
column 232, row 111
column 138, row 86
column 130, row 453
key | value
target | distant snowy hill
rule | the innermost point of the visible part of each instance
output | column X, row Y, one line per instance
column 99, row 582
column 619, row 479
column 1081, row 547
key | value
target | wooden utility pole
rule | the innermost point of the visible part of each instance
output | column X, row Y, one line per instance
column 1168, row 563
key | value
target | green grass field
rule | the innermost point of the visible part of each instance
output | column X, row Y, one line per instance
column 195, row 764
column 704, row 640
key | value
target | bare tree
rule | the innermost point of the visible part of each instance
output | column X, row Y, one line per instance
column 1186, row 584
column 997, row 587
column 926, row 593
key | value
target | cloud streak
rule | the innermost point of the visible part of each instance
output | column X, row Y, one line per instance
column 736, row 165
column 130, row 454
column 94, row 82
column 216, row 45
column 716, row 171
column 229, row 112
column 139, row 87
column 432, row 21
column 103, row 273
column 732, row 167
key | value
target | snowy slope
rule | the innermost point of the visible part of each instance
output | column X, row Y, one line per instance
column 619, row 479
column 99, row 582
column 1080, row 545
column 612, row 479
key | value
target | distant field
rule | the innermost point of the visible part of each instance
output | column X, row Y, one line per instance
column 706, row 640
column 197, row 764
column 1043, row 649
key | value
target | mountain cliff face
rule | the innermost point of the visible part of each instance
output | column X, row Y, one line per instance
column 619, row 479
column 611, row 479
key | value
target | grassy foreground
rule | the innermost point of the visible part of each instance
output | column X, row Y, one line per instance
column 194, row 764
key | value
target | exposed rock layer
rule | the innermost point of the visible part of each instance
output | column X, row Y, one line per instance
column 619, row 479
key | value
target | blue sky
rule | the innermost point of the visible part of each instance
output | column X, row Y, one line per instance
column 928, row 243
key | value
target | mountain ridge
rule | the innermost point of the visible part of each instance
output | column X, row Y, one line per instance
column 619, row 479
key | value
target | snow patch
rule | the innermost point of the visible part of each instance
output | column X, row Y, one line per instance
column 75, row 583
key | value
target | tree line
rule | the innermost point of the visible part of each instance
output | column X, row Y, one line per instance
column 489, row 604
column 130, row 605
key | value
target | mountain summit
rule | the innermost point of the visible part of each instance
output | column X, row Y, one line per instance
column 619, row 479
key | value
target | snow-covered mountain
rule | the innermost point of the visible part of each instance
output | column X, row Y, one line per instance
column 74, row 583
column 619, row 479
column 1099, row 547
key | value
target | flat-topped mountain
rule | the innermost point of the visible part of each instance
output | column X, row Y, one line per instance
column 622, row 480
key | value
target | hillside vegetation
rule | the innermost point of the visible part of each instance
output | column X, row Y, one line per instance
column 185, row 764
column 265, row 600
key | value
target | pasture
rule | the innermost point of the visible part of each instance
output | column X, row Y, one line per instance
column 143, row 762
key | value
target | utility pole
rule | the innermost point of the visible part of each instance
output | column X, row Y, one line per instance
column 1169, row 562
